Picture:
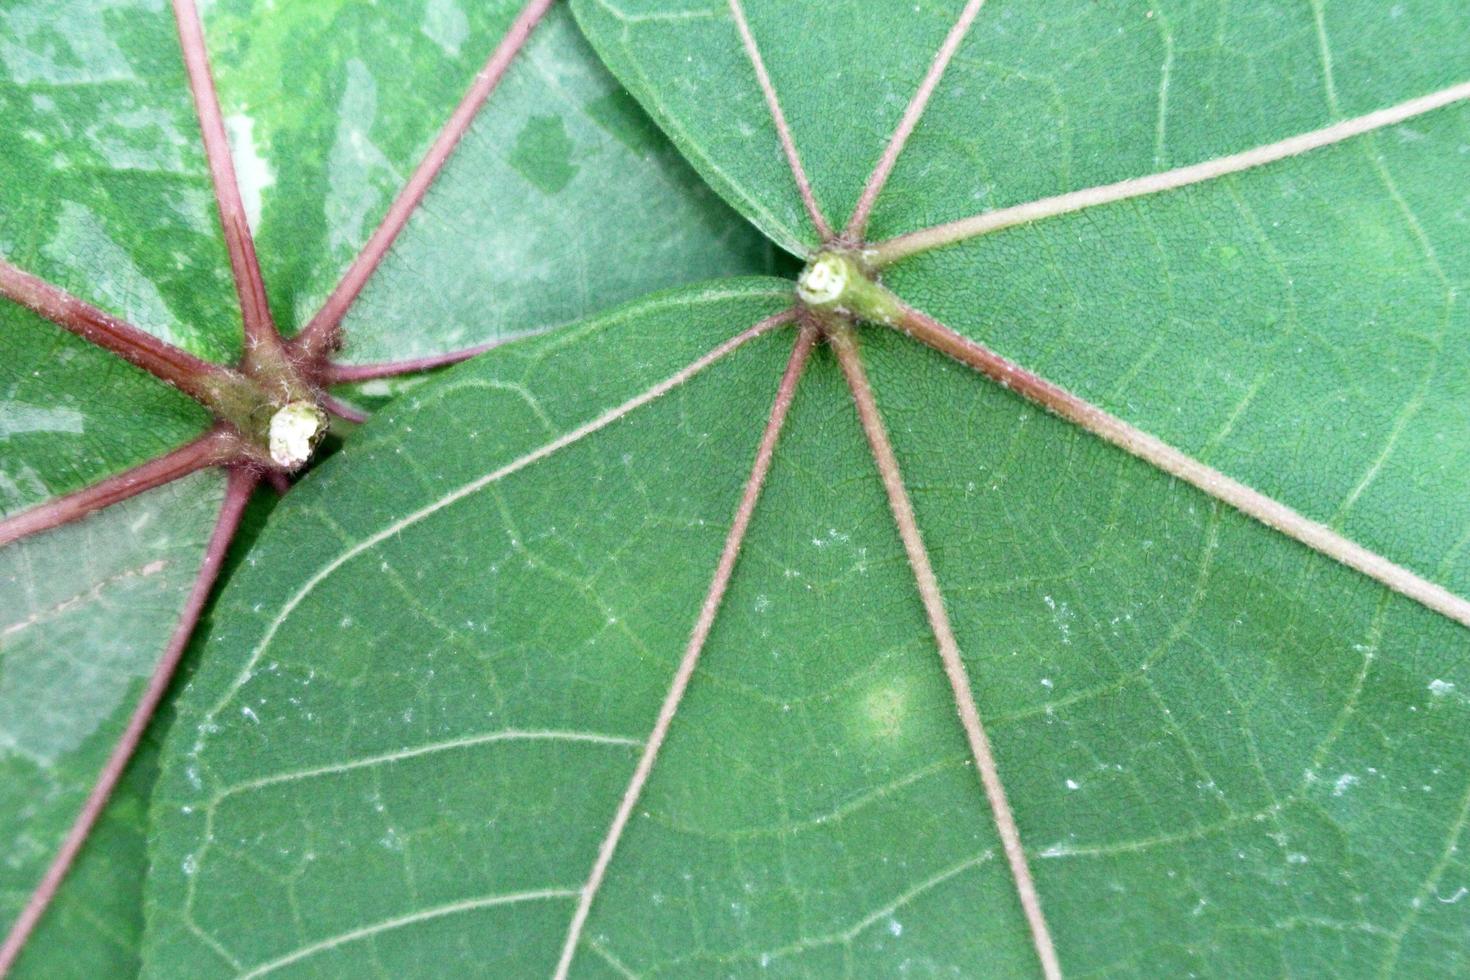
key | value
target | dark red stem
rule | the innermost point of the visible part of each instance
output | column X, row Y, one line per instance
column 241, row 485
column 261, row 337
column 320, row 336
column 218, row 445
column 195, row 377
column 343, row 410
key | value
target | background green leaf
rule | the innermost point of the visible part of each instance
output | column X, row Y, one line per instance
column 104, row 191
column 88, row 609
column 531, row 224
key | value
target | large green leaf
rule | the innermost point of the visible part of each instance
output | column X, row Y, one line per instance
column 1300, row 327
column 104, row 191
column 1226, row 753
column 418, row 712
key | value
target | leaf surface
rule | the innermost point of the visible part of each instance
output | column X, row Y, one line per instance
column 1226, row 753
column 1300, row 327
column 405, row 748
column 559, row 176
column 104, row 191
column 87, row 608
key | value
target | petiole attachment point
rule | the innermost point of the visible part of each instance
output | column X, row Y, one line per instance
column 294, row 431
column 837, row 282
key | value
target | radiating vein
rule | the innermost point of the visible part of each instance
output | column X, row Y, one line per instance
column 195, row 377
column 474, row 486
column 344, row 373
column 260, row 328
column 858, row 223
column 957, row 231
column 783, row 129
column 785, row 392
column 320, row 333
column 1131, row 439
column 949, row 649
column 237, row 495
column 416, row 751
column 210, row 449
column 399, row 922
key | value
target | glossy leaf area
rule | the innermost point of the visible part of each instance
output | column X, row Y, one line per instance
column 559, row 173
column 104, row 191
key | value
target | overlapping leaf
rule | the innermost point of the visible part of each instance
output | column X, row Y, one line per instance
column 1301, row 327
column 105, row 192
column 1226, row 753
column 406, row 750
column 558, row 181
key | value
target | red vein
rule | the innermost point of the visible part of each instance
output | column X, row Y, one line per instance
column 783, row 131
column 955, row 231
column 1272, row 513
column 343, row 410
column 726, row 566
column 320, row 335
column 336, row 374
column 260, row 329
column 949, row 650
column 858, row 223
column 195, row 377
column 211, row 449
column 241, row 484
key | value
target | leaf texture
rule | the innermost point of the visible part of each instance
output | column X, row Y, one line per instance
column 1208, row 732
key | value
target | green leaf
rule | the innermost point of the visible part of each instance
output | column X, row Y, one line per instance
column 105, row 192
column 1299, row 327
column 88, row 608
column 419, row 711
column 528, row 226
column 433, row 700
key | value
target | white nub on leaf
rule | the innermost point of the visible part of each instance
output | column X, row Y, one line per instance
column 823, row 281
column 294, row 431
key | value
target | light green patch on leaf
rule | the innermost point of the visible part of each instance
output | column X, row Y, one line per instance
column 87, row 609
column 551, row 209
column 512, row 236
column 103, row 185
